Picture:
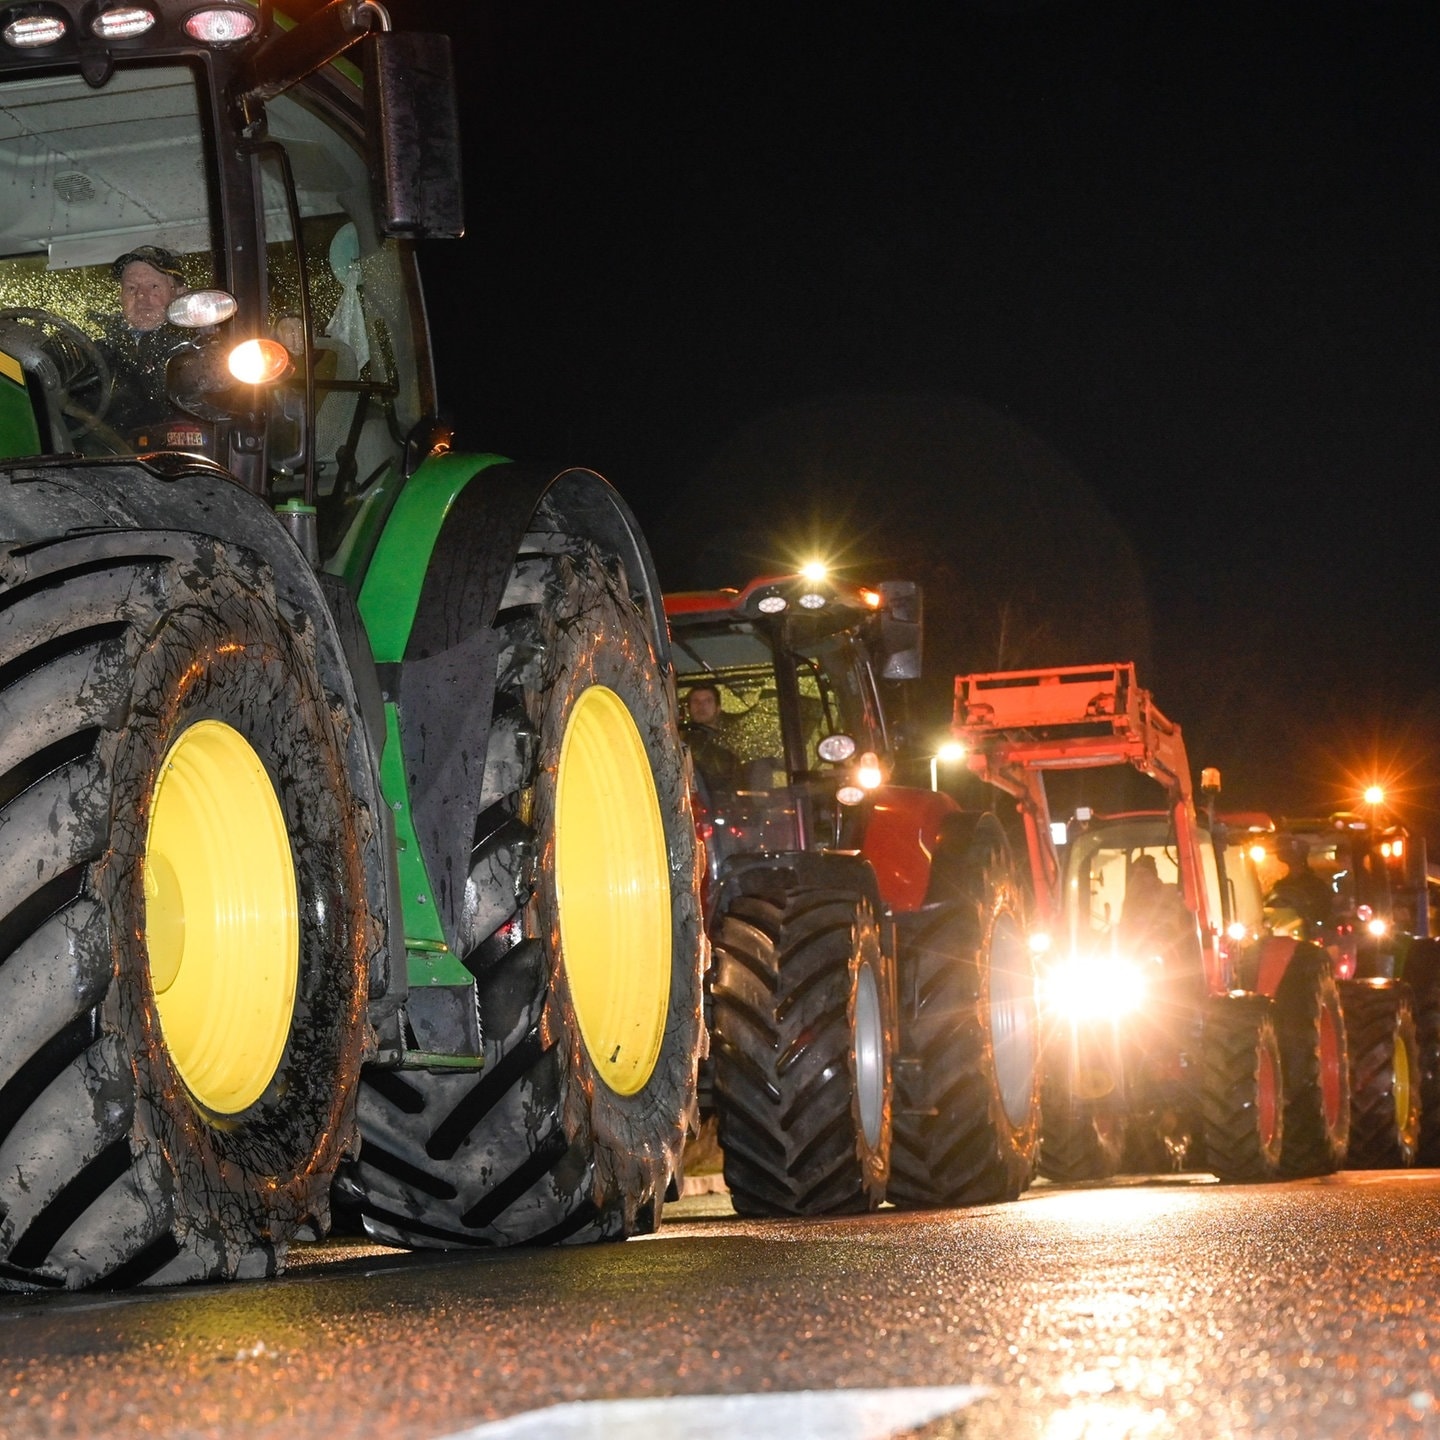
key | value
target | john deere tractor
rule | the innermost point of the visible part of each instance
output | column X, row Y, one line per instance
column 345, row 833
column 871, row 998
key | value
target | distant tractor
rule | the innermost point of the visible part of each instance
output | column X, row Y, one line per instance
column 871, row 995
column 345, row 838
column 1157, row 1020
column 1360, row 890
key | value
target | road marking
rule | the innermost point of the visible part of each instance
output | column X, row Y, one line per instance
column 796, row 1414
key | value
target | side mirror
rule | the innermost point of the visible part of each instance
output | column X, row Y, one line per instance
column 412, row 126
column 902, row 629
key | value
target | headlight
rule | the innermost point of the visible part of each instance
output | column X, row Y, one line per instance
column 1092, row 987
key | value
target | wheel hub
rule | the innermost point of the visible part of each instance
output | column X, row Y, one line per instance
column 221, row 921
column 613, row 889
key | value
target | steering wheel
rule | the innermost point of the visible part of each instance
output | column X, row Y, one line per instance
column 79, row 368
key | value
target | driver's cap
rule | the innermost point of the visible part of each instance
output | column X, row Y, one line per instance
column 167, row 262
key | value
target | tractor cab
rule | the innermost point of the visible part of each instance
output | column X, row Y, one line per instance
column 792, row 740
column 223, row 156
column 1355, row 888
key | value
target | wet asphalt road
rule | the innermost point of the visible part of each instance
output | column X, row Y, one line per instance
column 1176, row 1307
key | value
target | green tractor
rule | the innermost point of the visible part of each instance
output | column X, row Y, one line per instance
column 346, row 849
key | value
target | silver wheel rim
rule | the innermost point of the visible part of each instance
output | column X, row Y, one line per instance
column 869, row 1054
column 1012, row 1017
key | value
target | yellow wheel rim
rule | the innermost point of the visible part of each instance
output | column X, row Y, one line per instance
column 1407, row 1112
column 613, row 890
column 221, row 921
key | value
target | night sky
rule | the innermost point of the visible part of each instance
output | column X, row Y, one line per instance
column 1115, row 324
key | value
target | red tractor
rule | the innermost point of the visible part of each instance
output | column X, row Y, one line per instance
column 1160, row 1016
column 871, row 996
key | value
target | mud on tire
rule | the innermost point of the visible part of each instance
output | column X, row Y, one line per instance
column 804, row 1035
column 537, row 1147
column 113, row 647
column 967, row 1117
column 1384, row 1074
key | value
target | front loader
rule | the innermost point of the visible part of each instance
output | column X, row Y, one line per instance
column 1158, row 1014
column 871, row 996
column 345, row 833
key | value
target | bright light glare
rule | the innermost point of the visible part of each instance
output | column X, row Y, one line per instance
column 1236, row 931
column 1377, row 927
column 1374, row 794
column 258, row 362
column 871, row 598
column 814, row 570
column 1258, row 854
column 950, row 752
column 1039, row 941
column 1092, row 987
column 868, row 773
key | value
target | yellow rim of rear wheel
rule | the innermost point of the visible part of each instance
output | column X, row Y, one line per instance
column 612, row 886
column 221, row 922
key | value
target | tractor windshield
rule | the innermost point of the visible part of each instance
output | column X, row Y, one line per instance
column 112, row 225
column 757, row 759
column 1120, row 874
column 88, row 176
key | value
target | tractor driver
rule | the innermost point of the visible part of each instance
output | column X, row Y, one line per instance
column 1299, row 902
column 715, row 762
column 1155, row 918
column 139, row 341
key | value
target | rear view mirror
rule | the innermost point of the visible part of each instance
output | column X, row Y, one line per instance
column 413, row 129
column 902, row 629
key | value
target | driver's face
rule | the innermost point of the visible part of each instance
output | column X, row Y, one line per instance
column 702, row 706
column 144, row 294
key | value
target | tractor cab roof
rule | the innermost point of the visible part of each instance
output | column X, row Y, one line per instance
column 825, row 604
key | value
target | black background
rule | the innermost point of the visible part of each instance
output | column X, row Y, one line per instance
column 1113, row 323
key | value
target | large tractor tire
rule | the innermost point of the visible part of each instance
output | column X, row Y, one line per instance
column 583, row 933
column 1422, row 975
column 1242, row 1096
column 184, row 924
column 803, row 1041
column 1314, row 1065
column 1384, row 1074
column 967, row 1115
column 1078, row 1141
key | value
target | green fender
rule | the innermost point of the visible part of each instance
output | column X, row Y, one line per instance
column 429, row 585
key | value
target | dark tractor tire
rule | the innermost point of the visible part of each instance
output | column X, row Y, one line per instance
column 1384, row 1074
column 589, row 1002
column 1242, row 1093
column 803, row 1041
column 1422, row 975
column 967, row 1112
column 1311, row 1025
column 184, row 927
column 1078, row 1142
